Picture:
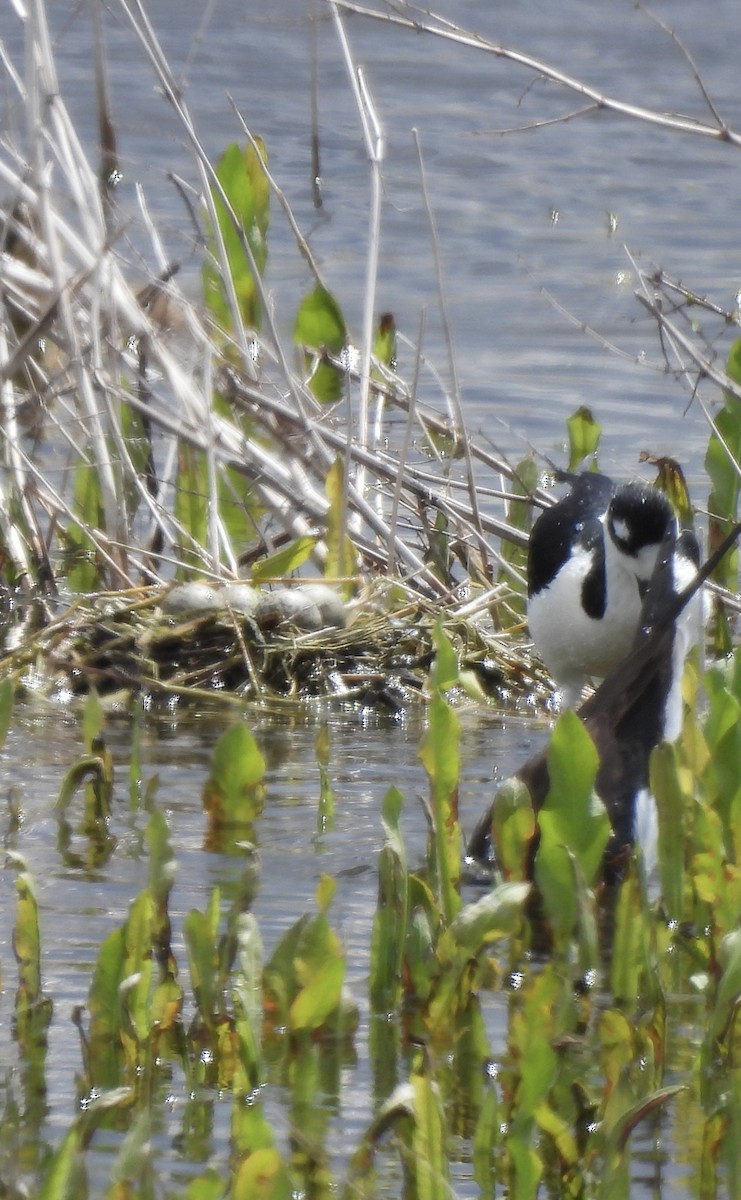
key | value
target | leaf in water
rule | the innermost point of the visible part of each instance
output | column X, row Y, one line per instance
column 392, row 912
column 262, row 1176
column 27, row 938
column 572, row 820
column 247, row 990
column 202, row 959
column 319, row 997
column 65, row 1175
column 485, row 1143
column 7, row 695
column 325, row 813
column 133, row 1161
column 562, row 1136
column 431, row 1164
column 325, row 892
column 495, row 915
column 104, row 998
column 439, row 754
column 320, row 326
column 729, row 988
column 92, row 719
column 615, row 1176
column 284, row 561
column 161, row 857
column 234, row 791
column 584, row 435
column 631, row 964
column 209, row 1186
column 672, row 803
column 444, row 672
column 138, row 965
column 526, row 1164
column 513, row 827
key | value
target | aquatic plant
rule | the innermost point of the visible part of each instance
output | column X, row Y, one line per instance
column 592, row 1050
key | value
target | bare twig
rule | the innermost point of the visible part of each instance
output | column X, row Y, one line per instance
column 430, row 23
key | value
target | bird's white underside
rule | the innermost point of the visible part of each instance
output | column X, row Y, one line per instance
column 573, row 645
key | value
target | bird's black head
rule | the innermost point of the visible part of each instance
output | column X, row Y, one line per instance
column 638, row 517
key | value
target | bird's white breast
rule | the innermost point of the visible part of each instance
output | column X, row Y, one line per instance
column 573, row 645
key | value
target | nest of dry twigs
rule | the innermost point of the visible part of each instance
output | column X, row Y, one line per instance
column 129, row 646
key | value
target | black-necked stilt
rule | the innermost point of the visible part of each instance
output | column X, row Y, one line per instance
column 636, row 706
column 589, row 560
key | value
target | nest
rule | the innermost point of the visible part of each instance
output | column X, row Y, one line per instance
column 127, row 646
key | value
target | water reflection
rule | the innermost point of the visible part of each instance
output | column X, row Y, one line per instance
column 81, row 902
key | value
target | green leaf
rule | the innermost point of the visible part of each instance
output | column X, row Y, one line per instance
column 7, row 695
column 631, row 963
column 191, row 503
column 519, row 514
column 202, row 959
column 584, row 435
column 671, row 802
column 85, row 572
column 27, row 938
column 262, row 1176
column 485, row 1143
column 133, row 1160
column 513, row 828
column 572, row 821
column 671, row 481
column 247, row 991
column 444, row 672
column 284, row 561
column 439, row 755
column 139, row 932
column 341, row 559
column 319, row 997
column 104, row 1002
column 319, row 327
column 65, row 1176
column 729, row 988
column 431, row 1163
column 384, row 342
column 495, row 915
column 92, row 719
column 723, row 454
column 234, row 792
column 392, row 912
column 245, row 185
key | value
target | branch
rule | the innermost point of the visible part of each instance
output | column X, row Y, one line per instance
column 433, row 24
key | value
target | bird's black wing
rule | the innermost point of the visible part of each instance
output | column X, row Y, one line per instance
column 572, row 522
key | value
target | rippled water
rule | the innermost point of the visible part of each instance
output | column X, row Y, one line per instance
column 553, row 208
column 80, row 907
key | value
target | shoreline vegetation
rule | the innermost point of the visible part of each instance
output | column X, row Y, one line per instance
column 164, row 517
